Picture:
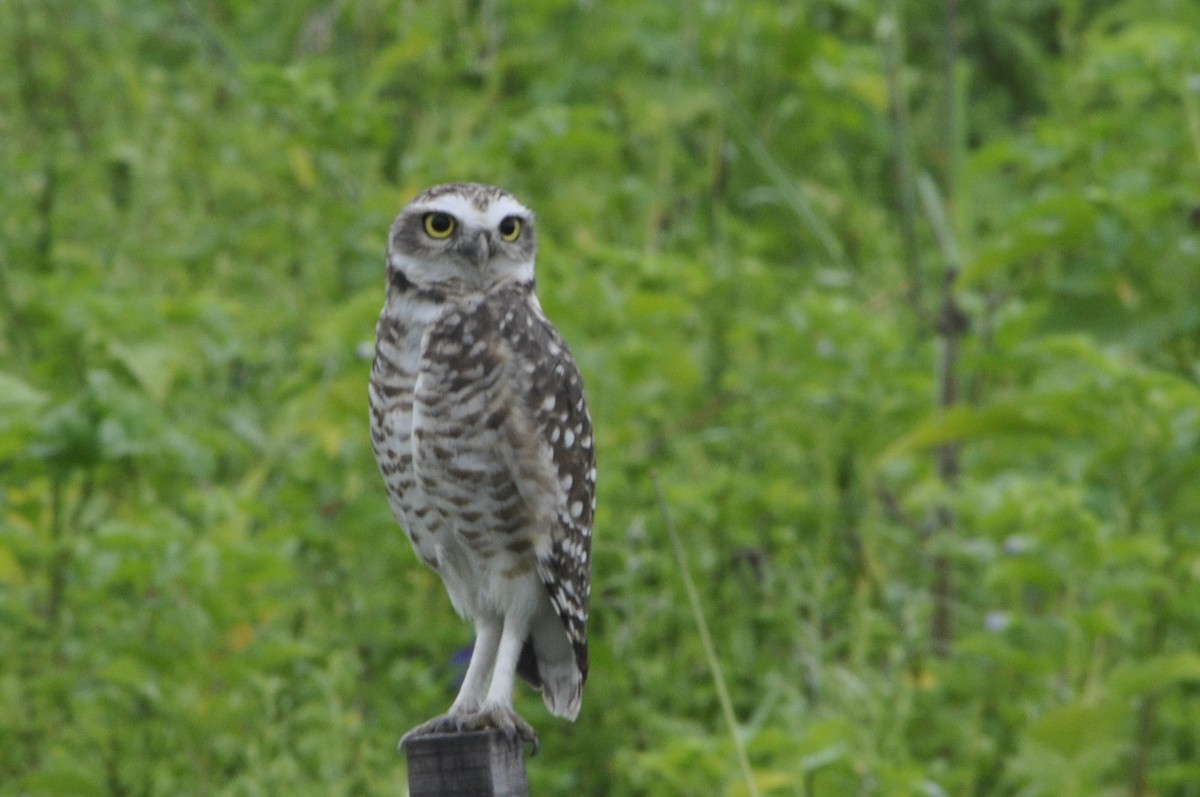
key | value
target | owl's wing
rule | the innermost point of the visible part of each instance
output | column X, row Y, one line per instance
column 551, row 429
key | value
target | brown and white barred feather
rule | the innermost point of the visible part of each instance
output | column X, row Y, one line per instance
column 536, row 420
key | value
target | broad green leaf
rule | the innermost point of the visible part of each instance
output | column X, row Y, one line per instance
column 11, row 571
column 17, row 395
column 153, row 365
column 1158, row 673
column 67, row 780
column 1045, row 416
column 1076, row 729
column 135, row 675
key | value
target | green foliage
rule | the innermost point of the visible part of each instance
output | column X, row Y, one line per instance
column 202, row 590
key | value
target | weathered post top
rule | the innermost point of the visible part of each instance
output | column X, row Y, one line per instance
column 476, row 764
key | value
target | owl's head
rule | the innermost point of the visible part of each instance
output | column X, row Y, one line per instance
column 462, row 234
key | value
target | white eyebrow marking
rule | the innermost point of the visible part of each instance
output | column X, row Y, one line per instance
column 469, row 216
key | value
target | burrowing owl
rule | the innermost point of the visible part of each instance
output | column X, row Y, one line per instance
column 481, row 430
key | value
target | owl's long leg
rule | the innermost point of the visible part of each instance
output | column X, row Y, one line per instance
column 496, row 711
column 463, row 714
column 483, row 659
column 497, row 651
column 512, row 639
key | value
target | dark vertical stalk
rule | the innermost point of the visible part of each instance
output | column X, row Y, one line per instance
column 59, row 556
column 951, row 117
column 43, row 248
column 891, row 35
column 1139, row 764
column 1175, row 570
column 951, row 326
column 1146, row 714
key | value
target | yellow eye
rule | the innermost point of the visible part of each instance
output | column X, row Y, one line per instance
column 439, row 225
column 510, row 228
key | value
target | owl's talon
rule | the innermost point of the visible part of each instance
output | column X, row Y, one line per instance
column 505, row 720
column 499, row 718
column 445, row 723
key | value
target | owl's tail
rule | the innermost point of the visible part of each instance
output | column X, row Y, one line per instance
column 548, row 663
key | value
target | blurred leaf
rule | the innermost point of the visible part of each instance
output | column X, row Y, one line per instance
column 18, row 396
column 133, row 675
column 1078, row 729
column 11, row 572
column 1050, row 415
column 1157, row 673
column 154, row 365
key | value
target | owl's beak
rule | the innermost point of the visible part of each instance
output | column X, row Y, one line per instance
column 479, row 249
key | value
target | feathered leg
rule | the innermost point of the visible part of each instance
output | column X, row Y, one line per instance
column 483, row 660
column 462, row 712
column 496, row 711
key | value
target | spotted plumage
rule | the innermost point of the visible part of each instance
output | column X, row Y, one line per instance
column 481, row 430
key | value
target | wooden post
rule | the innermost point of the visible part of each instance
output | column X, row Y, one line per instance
column 476, row 764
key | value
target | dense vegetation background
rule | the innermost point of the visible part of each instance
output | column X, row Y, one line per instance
column 900, row 301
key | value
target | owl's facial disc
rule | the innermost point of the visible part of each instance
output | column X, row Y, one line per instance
column 467, row 235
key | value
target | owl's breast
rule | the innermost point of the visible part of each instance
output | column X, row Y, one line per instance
column 459, row 467
column 471, row 515
column 391, row 393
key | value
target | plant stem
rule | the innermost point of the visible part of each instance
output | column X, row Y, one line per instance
column 891, row 37
column 710, row 652
column 951, row 114
column 792, row 194
column 1140, row 757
